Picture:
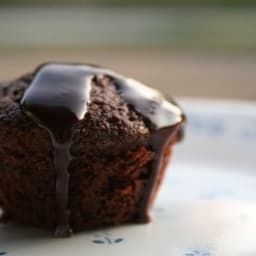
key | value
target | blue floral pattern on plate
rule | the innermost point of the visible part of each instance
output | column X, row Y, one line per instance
column 198, row 252
column 106, row 238
column 216, row 125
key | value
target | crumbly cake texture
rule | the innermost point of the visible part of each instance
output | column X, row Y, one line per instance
column 108, row 173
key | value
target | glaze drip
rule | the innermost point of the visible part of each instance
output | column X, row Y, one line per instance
column 58, row 98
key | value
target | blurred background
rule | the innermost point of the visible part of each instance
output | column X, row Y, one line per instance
column 184, row 47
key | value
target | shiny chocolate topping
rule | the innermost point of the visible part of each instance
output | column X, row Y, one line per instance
column 58, row 98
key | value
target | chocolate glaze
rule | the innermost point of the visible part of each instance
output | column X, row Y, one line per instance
column 58, row 97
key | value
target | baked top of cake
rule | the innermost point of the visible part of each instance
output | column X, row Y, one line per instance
column 63, row 99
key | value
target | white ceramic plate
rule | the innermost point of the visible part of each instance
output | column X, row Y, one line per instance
column 206, row 207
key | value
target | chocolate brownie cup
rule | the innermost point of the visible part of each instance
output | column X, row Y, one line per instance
column 82, row 147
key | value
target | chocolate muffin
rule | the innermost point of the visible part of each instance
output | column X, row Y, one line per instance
column 82, row 147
